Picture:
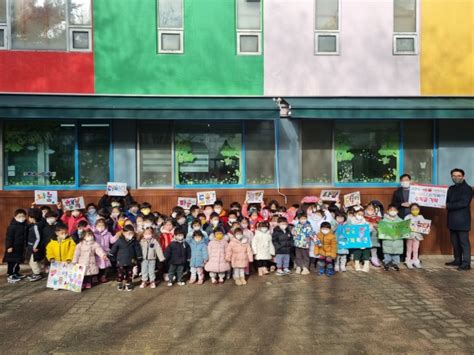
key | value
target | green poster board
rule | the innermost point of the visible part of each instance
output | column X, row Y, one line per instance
column 394, row 230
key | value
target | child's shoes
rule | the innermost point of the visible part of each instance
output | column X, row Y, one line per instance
column 330, row 272
column 417, row 263
column 357, row 265
column 120, row 286
column 396, row 267
column 200, row 282
column 298, row 270
column 88, row 285
column 192, row 280
column 129, row 287
column 181, row 283
column 213, row 281
column 375, row 261
column 366, row 266
column 243, row 281
column 265, row 271
column 260, row 271
column 238, row 282
column 386, row 267
column 280, row 272
column 336, row 267
column 221, row 281
column 287, row 271
column 321, row 271
column 143, row 284
column 409, row 264
column 170, row 284
column 152, row 285
column 103, row 279
column 272, row 268
column 305, row 271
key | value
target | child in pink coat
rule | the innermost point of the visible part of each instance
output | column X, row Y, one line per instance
column 217, row 264
column 104, row 238
column 239, row 254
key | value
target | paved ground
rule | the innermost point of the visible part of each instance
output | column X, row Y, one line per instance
column 419, row 311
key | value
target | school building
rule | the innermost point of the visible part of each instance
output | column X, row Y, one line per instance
column 289, row 96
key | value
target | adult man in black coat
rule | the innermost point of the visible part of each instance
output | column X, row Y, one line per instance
column 458, row 204
column 400, row 196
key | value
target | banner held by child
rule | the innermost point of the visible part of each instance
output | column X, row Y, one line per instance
column 394, row 230
column 46, row 197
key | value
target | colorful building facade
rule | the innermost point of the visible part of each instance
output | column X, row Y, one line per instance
column 174, row 95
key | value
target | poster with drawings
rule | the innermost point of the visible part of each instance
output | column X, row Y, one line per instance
column 46, row 197
column 66, row 276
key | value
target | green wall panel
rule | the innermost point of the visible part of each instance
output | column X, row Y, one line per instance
column 127, row 61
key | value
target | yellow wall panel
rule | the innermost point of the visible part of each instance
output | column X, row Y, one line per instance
column 447, row 47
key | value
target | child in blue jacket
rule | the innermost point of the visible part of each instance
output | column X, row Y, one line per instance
column 199, row 257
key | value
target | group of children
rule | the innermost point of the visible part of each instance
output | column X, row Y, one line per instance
column 121, row 236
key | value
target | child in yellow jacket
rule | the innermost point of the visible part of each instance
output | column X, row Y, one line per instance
column 326, row 249
column 61, row 247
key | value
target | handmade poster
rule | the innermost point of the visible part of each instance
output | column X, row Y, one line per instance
column 46, row 197
column 186, row 202
column 394, row 230
column 330, row 195
column 254, row 196
column 75, row 203
column 310, row 199
column 352, row 199
column 206, row 198
column 117, row 189
column 66, row 276
column 428, row 195
column 353, row 236
column 421, row 226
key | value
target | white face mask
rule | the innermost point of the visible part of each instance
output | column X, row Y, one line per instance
column 325, row 231
column 51, row 220
column 215, row 223
column 283, row 226
column 232, row 220
column 392, row 213
column 244, row 226
column 238, row 236
column 128, row 236
column 359, row 217
column 405, row 184
column 88, row 238
column 147, row 224
column 182, row 221
column 218, row 210
column 173, row 215
column 264, row 229
column 91, row 211
column 100, row 229
column 196, row 228
column 76, row 214
column 180, row 238
column 20, row 219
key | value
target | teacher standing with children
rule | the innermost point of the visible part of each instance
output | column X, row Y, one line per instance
column 458, row 204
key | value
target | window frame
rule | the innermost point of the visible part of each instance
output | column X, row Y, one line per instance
column 69, row 29
column 413, row 35
column 166, row 30
column 4, row 27
column 249, row 32
column 77, row 186
column 335, row 33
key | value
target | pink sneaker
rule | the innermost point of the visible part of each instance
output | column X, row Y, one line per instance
column 221, row 281
column 103, row 279
column 152, row 285
column 375, row 262
column 200, row 282
column 214, row 281
column 143, row 284
column 88, row 286
column 192, row 280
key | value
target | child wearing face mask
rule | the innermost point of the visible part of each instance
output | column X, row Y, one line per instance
column 195, row 227
column 239, row 255
column 181, row 222
column 392, row 249
column 91, row 214
column 214, row 225
column 221, row 212
column 145, row 209
column 326, row 249
column 133, row 212
column 61, row 247
column 177, row 255
column 15, row 243
column 85, row 254
column 413, row 242
column 217, row 266
column 303, row 232
column 244, row 225
column 316, row 216
column 71, row 219
column 199, row 257
column 282, row 242
column 372, row 217
column 82, row 226
column 104, row 238
column 151, row 250
column 127, row 253
column 231, row 219
column 341, row 258
column 361, row 254
column 263, row 248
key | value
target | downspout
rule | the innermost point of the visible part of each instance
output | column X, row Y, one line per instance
column 284, row 113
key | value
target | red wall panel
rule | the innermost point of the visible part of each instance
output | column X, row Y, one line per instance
column 46, row 72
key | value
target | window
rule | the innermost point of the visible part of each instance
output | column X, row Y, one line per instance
column 249, row 27
column 367, row 152
column 316, row 152
column 405, row 27
column 418, row 150
column 155, row 154
column 327, row 27
column 46, row 25
column 208, row 153
column 260, row 152
column 52, row 153
column 170, row 26
column 94, row 154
